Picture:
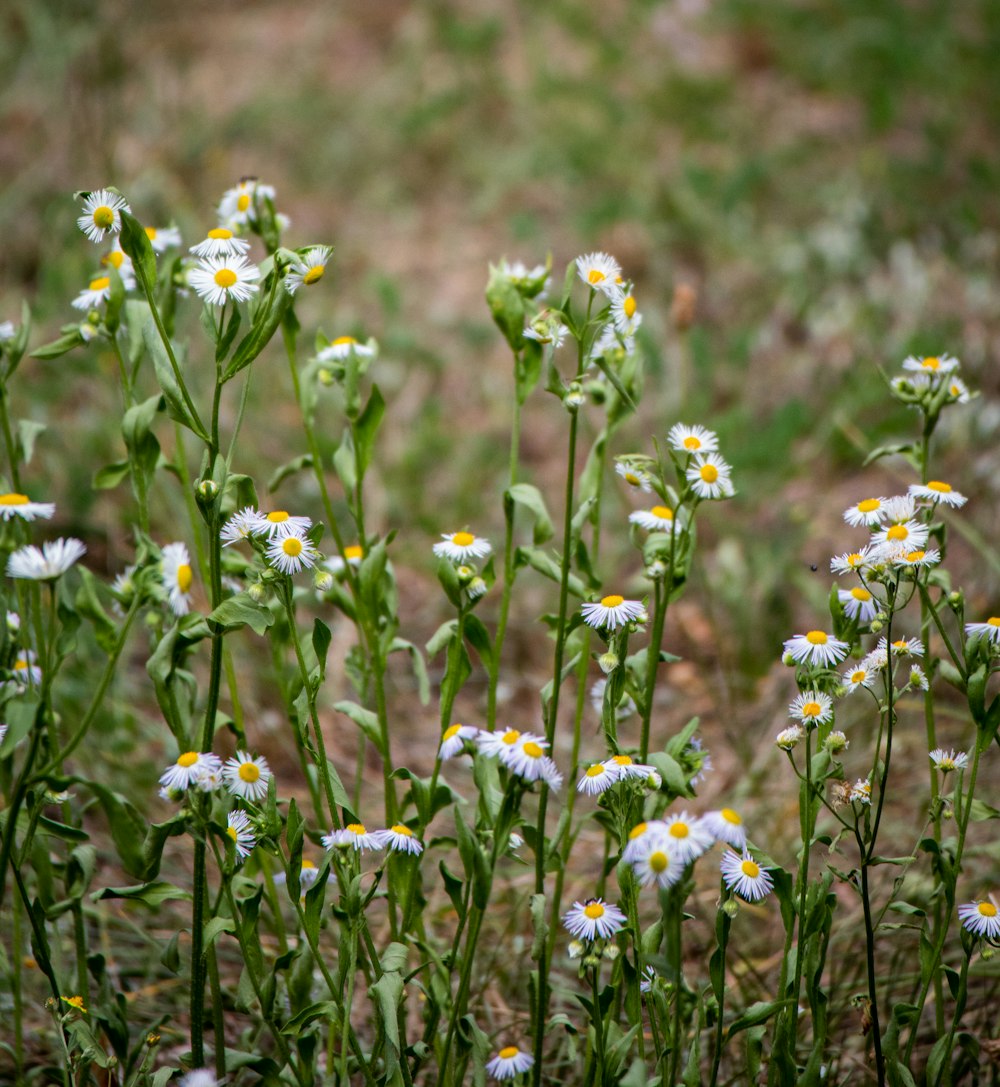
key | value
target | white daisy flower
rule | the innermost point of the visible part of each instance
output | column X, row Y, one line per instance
column 308, row 875
column 902, row 536
column 981, row 919
column 626, row 767
column 546, row 329
column 836, row 741
column 990, row 630
column 26, row 671
column 851, row 562
column 816, row 648
column 933, row 365
column 657, row 863
column 163, row 238
column 52, row 560
column 811, row 708
column 240, row 834
column 869, row 511
column 220, row 242
column 500, row 743
column 596, row 779
column 289, row 553
column 209, row 779
column 247, row 777
column 918, row 678
column 861, row 792
column 958, row 391
column 20, row 505
column 122, row 264
column 508, row 1063
column 344, row 346
column 243, row 524
column 708, row 475
column 239, row 205
column 353, row 554
column 611, row 612
column 936, row 491
column 280, row 523
column 861, row 675
column 647, row 979
column 594, row 919
column 551, row 775
column 640, row 838
column 657, row 519
column 400, row 838
column 916, row 559
column 462, row 546
column 692, row 439
column 97, row 292
column 790, row 737
column 188, row 767
column 726, row 825
column 946, row 761
column 902, row 647
column 744, row 875
column 600, row 272
column 688, row 837
column 308, row 268
column 102, row 214
column 453, row 740
column 858, row 603
column 219, row 279
column 356, row 836
column 177, row 576
column 625, row 315
column 527, row 758
column 634, row 475
column 200, row 1077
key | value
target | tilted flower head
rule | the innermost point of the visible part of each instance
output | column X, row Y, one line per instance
column 744, row 875
column 596, row 779
column 990, row 630
column 692, row 439
column 222, row 279
column 239, row 205
column 612, row 612
column 400, row 838
column 26, row 671
column 946, row 761
column 308, row 268
column 911, row 560
column 356, row 836
column 790, row 737
column 869, row 511
column 221, row 242
column 188, row 768
column 163, row 238
column 726, row 825
column 657, row 519
column 816, row 648
column 981, row 919
column 593, row 920
column 623, row 710
column 97, row 292
column 243, row 524
column 279, row 523
column 102, row 214
column 547, row 329
column 851, row 562
column 344, row 346
column 901, row 536
column 52, row 560
column 861, row 792
column 177, row 575
column 122, row 264
column 508, row 1063
column 625, row 314
column 453, row 740
column 353, row 554
column 462, row 546
column 858, row 603
column 918, row 678
column 240, row 833
column 811, row 708
column 500, row 743
column 601, row 272
column 687, row 836
column 625, row 767
column 936, row 491
column 958, row 391
column 653, row 859
column 901, row 647
column 709, row 476
column 20, row 505
column 291, row 552
column 527, row 759
column 247, row 777
column 933, row 365
column 634, row 475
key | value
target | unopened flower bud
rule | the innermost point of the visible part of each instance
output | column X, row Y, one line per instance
column 876, row 626
column 576, row 949
column 656, row 569
column 608, row 662
column 465, row 574
column 611, row 952
column 257, row 592
column 476, row 588
column 323, row 580
column 653, row 781
column 788, row 660
column 326, row 376
column 574, row 397
column 207, row 490
column 592, row 961
column 789, row 738
column 515, row 841
column 730, row 908
column 837, row 741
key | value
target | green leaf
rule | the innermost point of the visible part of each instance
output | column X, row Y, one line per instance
column 364, row 719
column 366, row 428
column 756, row 1014
column 321, row 638
column 394, row 957
column 266, row 321
column 328, row 1010
column 507, row 307
column 388, row 992
column 108, row 477
column 240, row 611
column 216, row 927
column 289, row 468
column 540, row 925
column 151, row 894
column 545, row 564
column 27, row 432
column 177, row 409
column 136, row 244
column 65, row 343
column 529, row 498
column 127, row 824
column 417, row 664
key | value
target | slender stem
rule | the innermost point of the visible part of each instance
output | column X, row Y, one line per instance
column 598, row 1024
column 872, row 991
column 675, row 912
column 807, row 836
column 721, row 994
column 8, row 439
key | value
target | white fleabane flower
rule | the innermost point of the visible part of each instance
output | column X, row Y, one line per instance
column 744, row 875
column 811, row 708
column 52, row 560
column 344, row 346
column 280, row 523
column 400, row 838
column 869, row 511
column 337, row 564
column 726, row 825
column 220, row 242
column 527, row 758
column 96, row 293
column 596, row 779
column 122, row 264
column 291, row 552
column 654, row 862
column 687, row 836
column 239, row 832
column 239, row 205
column 188, row 768
column 641, row 837
column 611, row 612
column 981, row 919
column 355, row 836
column 634, row 475
column 918, row 559
column 901, row 536
column 20, row 505
column 990, row 630
column 790, row 737
column 453, row 740
column 462, row 546
column 102, row 214
column 163, row 238
column 623, row 710
column 709, row 476
column 247, row 777
column 200, row 1077
column 594, row 919
column 946, row 761
column 177, row 576
column 508, row 1063
column 547, row 329
column 500, row 743
column 625, row 315
column 220, row 279
column 936, row 491
column 8, row 331
column 600, row 272
column 932, row 365
column 861, row 675
column 918, row 678
column 26, row 671
column 861, row 792
column 816, row 648
column 901, row 647
column 958, row 391
column 625, row 767
column 692, row 439
column 308, row 268
column 851, row 562
column 858, row 603
column 657, row 519
column 244, row 523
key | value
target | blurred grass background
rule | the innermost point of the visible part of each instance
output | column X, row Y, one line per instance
column 823, row 173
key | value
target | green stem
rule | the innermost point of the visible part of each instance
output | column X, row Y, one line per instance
column 598, row 1020
column 8, row 439
column 807, row 836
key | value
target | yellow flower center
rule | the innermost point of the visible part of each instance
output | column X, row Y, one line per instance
column 901, row 643
column 220, row 233
column 659, row 861
column 679, row 830
column 915, row 556
column 869, row 505
column 276, row 517
column 151, row 233
column 249, row 772
column 612, row 601
column 184, row 577
column 595, row 275
column 631, row 477
column 931, row 363
column 13, row 499
column 731, row 817
column 100, row 284
column 308, row 863
column 947, row 764
column 510, row 737
column 104, row 217
column 858, row 676
column 622, row 760
column 452, row 730
column 532, row 750
column 709, row 473
column 628, row 307
column 115, row 258
column 76, row 1002
column 993, row 621
column 463, row 539
column 812, row 709
column 987, row 909
column 189, row 758
column 340, row 340
column 955, row 390
column 748, row 868
column 637, row 831
column 817, row 637
column 692, row 444
column 596, row 770
column 897, row 532
column 508, row 1052
column 861, row 594
column 353, row 551
column 292, row 546
column 399, row 828
column 243, row 201
column 357, row 828
column 937, row 485
column 594, row 910
column 665, row 513
column 314, row 275
column 225, row 278
column 232, row 832
column 20, row 664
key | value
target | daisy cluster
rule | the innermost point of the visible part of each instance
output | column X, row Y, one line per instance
column 464, row 550
column 357, row 837
column 521, row 753
column 280, row 537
